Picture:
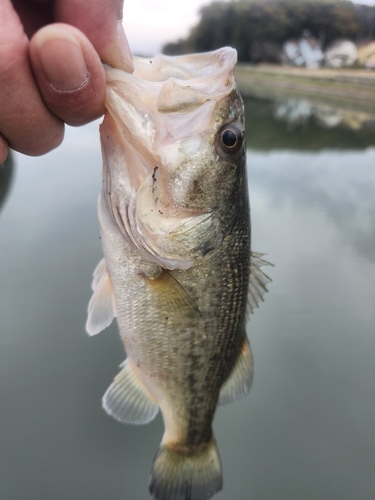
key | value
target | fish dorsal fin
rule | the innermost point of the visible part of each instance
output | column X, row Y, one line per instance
column 101, row 310
column 127, row 400
column 258, row 281
column 239, row 381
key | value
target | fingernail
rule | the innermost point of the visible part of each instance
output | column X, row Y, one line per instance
column 62, row 61
column 123, row 45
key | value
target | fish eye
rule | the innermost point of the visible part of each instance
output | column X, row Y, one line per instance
column 230, row 139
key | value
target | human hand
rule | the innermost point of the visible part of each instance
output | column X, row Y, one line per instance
column 56, row 77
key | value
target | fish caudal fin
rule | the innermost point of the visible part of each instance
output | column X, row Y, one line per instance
column 239, row 381
column 127, row 400
column 180, row 475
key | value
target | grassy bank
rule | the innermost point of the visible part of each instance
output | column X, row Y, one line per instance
column 344, row 87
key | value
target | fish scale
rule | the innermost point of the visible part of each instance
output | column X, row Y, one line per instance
column 175, row 229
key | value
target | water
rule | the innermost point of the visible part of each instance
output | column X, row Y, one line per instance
column 306, row 431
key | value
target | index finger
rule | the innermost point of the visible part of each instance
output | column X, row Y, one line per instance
column 25, row 122
column 101, row 22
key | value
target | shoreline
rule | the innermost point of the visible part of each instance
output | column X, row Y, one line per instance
column 353, row 88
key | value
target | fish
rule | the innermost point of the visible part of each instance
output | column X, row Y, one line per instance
column 178, row 273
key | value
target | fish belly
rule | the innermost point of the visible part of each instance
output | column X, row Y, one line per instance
column 182, row 331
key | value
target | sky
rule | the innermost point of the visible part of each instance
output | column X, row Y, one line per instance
column 151, row 23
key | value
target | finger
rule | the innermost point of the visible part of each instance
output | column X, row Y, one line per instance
column 101, row 22
column 69, row 73
column 34, row 14
column 25, row 122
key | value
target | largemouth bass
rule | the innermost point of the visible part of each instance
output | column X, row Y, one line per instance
column 177, row 271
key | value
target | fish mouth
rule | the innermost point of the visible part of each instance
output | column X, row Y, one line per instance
column 165, row 100
column 161, row 113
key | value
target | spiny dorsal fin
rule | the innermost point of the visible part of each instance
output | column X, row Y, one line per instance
column 101, row 310
column 127, row 399
column 258, row 281
column 239, row 381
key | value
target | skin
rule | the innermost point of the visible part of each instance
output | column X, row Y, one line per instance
column 52, row 74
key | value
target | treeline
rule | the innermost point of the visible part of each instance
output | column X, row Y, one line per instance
column 245, row 23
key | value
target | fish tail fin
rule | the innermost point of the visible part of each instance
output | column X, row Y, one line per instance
column 186, row 475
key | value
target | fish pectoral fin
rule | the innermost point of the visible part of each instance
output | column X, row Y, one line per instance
column 101, row 309
column 258, row 281
column 174, row 302
column 239, row 381
column 127, row 399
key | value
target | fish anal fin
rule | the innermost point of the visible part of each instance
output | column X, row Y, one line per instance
column 186, row 475
column 127, row 399
column 239, row 381
column 101, row 309
column 99, row 272
column 258, row 281
column 174, row 302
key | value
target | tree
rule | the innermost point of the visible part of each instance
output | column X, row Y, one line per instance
column 215, row 27
column 245, row 23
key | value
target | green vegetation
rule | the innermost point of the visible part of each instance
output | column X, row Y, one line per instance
column 244, row 24
column 264, row 132
column 342, row 88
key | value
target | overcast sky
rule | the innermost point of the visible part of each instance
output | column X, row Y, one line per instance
column 151, row 23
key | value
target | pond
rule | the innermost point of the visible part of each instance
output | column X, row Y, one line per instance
column 306, row 430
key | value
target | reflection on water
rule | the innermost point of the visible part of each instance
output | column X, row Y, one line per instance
column 301, row 124
column 307, row 428
column 333, row 184
column 299, row 111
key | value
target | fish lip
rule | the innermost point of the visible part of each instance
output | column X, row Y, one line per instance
column 220, row 61
column 193, row 87
column 137, row 101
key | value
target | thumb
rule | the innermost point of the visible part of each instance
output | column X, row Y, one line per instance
column 69, row 73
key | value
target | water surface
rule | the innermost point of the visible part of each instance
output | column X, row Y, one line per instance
column 305, row 431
